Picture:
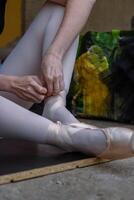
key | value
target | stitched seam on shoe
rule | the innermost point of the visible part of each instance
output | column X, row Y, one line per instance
column 108, row 141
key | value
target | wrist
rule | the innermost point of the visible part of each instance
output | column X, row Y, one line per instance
column 6, row 83
column 57, row 52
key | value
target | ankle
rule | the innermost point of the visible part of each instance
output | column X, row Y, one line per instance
column 50, row 110
column 53, row 132
column 56, row 135
column 53, row 103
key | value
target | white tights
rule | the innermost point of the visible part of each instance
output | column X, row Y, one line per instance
column 16, row 121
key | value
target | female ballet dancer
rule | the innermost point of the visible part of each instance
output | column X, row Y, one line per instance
column 40, row 68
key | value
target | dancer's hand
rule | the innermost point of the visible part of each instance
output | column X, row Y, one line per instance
column 28, row 88
column 52, row 74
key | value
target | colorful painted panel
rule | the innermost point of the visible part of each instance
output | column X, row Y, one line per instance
column 103, row 81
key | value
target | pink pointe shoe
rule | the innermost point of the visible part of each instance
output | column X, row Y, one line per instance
column 120, row 141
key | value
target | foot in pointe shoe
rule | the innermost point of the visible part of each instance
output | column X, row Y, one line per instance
column 67, row 136
column 120, row 141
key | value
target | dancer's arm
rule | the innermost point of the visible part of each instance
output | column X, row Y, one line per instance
column 28, row 88
column 76, row 15
column 5, row 83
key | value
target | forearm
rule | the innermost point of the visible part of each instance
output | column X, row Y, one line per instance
column 76, row 15
column 6, row 82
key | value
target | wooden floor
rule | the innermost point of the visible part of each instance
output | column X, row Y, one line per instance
column 17, row 166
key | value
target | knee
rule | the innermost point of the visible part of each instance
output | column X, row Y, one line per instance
column 52, row 14
column 53, row 9
column 57, row 14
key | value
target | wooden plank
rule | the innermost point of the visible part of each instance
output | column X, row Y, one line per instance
column 34, row 173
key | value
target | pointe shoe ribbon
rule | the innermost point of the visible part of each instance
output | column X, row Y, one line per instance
column 69, row 138
column 82, row 125
column 60, row 137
